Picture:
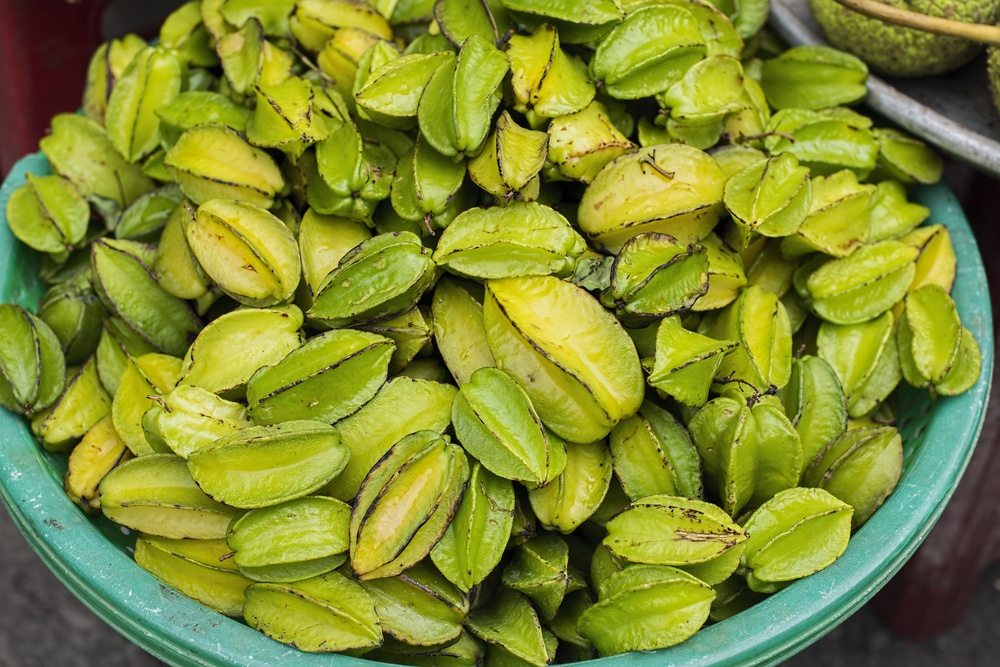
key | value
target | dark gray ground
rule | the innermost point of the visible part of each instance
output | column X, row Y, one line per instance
column 42, row 624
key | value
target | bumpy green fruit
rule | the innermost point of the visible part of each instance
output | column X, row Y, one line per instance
column 896, row 51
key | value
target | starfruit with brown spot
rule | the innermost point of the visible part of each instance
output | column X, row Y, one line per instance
column 837, row 223
column 155, row 494
column 669, row 188
column 98, row 453
column 582, row 143
column 674, row 530
column 246, row 250
column 405, row 504
column 571, row 356
column 652, row 454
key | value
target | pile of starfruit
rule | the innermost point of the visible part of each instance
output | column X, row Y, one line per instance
column 460, row 330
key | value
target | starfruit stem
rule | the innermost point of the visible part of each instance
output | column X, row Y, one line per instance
column 225, row 557
column 427, row 224
column 764, row 135
column 505, row 38
column 976, row 32
column 159, row 400
column 310, row 64
column 651, row 161
column 757, row 394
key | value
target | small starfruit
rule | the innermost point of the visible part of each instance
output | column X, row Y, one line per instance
column 474, row 541
column 291, row 541
column 653, row 454
column 155, row 494
column 198, row 568
column 405, row 504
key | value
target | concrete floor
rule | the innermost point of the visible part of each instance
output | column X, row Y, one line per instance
column 42, row 624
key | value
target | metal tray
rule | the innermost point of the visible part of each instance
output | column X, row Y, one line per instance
column 953, row 111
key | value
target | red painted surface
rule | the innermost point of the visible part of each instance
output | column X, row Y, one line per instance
column 45, row 46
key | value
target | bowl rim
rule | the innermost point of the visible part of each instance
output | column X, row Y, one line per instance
column 183, row 632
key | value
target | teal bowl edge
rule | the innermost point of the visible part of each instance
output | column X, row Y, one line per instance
column 184, row 633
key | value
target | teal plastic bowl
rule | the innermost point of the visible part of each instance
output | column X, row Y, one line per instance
column 92, row 557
